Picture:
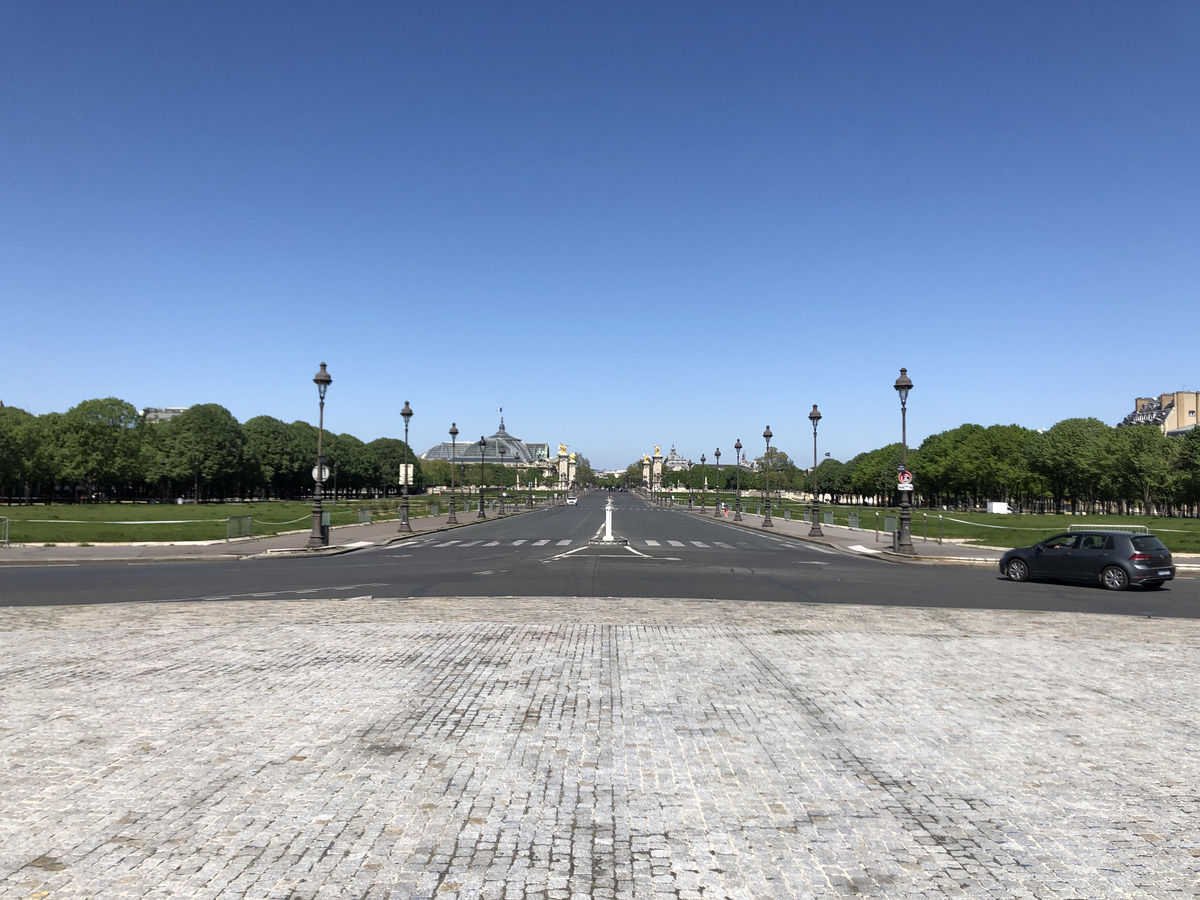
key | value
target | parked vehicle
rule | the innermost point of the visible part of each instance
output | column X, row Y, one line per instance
column 571, row 501
column 1113, row 559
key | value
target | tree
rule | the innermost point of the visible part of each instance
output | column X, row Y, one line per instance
column 1069, row 456
column 97, row 444
column 273, row 456
column 873, row 474
column 18, row 436
column 204, row 445
column 1139, row 465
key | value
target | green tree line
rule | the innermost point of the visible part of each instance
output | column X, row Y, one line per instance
column 1080, row 465
column 103, row 450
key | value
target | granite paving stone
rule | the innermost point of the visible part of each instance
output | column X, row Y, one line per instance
column 608, row 748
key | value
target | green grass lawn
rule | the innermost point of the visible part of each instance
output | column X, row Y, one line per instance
column 993, row 530
column 105, row 523
column 126, row 522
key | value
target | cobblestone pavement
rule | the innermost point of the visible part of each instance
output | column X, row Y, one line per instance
column 550, row 748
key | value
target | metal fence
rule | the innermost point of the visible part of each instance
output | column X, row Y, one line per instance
column 238, row 527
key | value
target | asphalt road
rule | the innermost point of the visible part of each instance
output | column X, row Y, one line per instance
column 668, row 554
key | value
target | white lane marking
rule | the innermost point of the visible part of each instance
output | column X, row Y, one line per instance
column 542, row 543
column 492, row 544
column 57, row 565
column 677, row 543
column 471, row 543
column 518, row 543
column 859, row 548
column 650, row 543
column 445, row 543
column 565, row 543
column 700, row 544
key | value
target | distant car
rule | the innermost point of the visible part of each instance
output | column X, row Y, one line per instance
column 1113, row 559
column 571, row 501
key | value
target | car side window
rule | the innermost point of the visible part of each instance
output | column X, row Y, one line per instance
column 1062, row 542
column 1108, row 543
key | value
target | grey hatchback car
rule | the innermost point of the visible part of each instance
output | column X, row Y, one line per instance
column 1114, row 559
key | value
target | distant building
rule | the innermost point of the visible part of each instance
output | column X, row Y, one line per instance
column 157, row 414
column 673, row 462
column 1174, row 413
column 516, row 451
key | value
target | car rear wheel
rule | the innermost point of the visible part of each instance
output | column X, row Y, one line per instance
column 1114, row 578
column 1017, row 570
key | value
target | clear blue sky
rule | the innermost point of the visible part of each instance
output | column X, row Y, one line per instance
column 626, row 223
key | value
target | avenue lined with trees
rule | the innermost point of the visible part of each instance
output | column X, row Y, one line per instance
column 1080, row 465
column 102, row 450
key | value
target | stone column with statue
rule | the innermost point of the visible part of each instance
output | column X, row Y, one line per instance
column 564, row 481
column 656, row 470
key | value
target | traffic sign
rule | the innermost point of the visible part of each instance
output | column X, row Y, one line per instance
column 904, row 487
column 905, row 477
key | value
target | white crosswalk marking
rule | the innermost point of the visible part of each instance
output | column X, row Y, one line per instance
column 772, row 543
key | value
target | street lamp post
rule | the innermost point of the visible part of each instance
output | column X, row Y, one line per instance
column 717, row 502
column 767, row 523
column 903, row 385
column 404, row 526
column 690, row 504
column 319, row 536
column 452, row 519
column 737, row 462
column 815, row 530
column 482, row 449
column 501, row 449
column 703, row 484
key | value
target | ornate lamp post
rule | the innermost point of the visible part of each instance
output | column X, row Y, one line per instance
column 704, row 478
column 404, row 526
column 815, row 530
column 737, row 461
column 320, row 537
column 767, row 523
column 452, row 519
column 717, row 502
column 903, row 385
column 482, row 449
column 689, row 485
column 501, row 449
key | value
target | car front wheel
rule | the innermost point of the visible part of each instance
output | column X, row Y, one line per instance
column 1017, row 570
column 1114, row 578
